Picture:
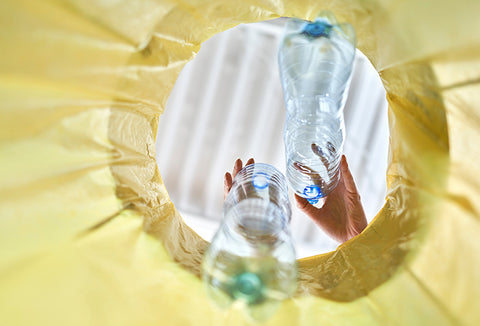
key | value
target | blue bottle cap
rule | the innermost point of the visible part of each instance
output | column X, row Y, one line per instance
column 248, row 287
column 317, row 29
column 312, row 193
column 313, row 201
column 260, row 180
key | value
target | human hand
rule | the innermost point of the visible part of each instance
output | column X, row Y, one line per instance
column 228, row 179
column 342, row 216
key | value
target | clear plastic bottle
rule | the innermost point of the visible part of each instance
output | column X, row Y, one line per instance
column 315, row 61
column 251, row 258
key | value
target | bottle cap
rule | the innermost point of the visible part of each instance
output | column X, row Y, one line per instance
column 260, row 180
column 312, row 193
column 248, row 287
column 317, row 29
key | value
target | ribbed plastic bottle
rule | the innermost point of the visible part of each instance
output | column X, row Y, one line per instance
column 251, row 259
column 315, row 61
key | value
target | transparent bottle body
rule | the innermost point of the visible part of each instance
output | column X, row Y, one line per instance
column 313, row 150
column 315, row 69
column 251, row 258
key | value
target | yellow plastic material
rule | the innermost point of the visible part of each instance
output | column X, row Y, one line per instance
column 88, row 235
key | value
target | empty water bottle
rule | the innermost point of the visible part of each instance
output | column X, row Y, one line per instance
column 315, row 61
column 251, row 259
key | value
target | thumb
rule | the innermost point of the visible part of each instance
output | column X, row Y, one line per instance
column 301, row 202
column 347, row 176
column 305, row 206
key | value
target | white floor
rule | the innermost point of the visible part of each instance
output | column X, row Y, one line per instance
column 228, row 104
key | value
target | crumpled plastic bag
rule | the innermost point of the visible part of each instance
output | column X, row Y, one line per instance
column 88, row 235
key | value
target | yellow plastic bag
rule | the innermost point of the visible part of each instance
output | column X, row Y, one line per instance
column 88, row 235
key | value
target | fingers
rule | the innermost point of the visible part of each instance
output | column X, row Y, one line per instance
column 228, row 179
column 331, row 149
column 302, row 168
column 237, row 167
column 317, row 150
column 227, row 184
column 301, row 202
column 306, row 207
column 315, row 177
column 347, row 176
